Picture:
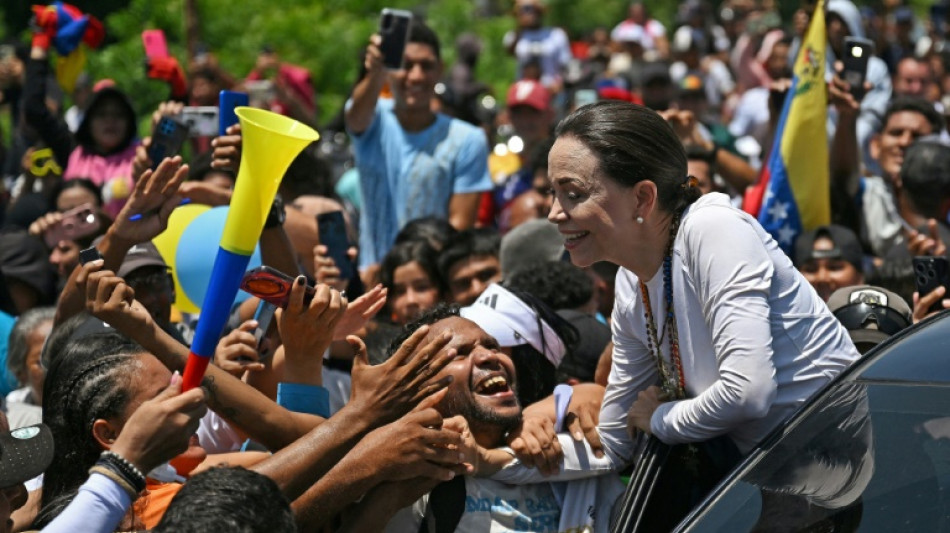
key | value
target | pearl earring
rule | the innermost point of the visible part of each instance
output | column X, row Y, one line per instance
column 639, row 220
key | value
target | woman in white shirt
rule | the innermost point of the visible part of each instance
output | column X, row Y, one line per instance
column 715, row 332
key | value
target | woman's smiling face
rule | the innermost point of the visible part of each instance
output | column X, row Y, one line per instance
column 592, row 211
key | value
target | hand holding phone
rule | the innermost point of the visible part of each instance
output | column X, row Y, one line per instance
column 167, row 139
column 931, row 272
column 76, row 223
column 857, row 52
column 394, row 29
column 228, row 101
column 272, row 285
column 332, row 230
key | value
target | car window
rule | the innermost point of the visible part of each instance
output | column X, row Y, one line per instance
column 868, row 457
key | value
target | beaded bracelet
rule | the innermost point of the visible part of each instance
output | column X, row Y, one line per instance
column 117, row 478
column 121, row 466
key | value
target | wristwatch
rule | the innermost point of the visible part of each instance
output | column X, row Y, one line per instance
column 277, row 213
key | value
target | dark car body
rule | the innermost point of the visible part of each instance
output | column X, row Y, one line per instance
column 871, row 452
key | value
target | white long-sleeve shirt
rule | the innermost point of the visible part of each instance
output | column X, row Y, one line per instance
column 755, row 339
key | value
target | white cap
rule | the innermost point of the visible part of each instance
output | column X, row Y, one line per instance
column 514, row 323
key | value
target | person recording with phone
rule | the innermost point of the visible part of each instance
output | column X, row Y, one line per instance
column 412, row 162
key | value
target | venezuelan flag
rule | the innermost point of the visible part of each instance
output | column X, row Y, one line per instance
column 792, row 194
column 270, row 142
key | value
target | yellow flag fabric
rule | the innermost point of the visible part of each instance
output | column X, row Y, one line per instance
column 805, row 138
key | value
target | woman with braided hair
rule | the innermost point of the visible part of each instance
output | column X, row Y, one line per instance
column 716, row 335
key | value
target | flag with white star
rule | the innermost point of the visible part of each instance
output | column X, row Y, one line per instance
column 795, row 179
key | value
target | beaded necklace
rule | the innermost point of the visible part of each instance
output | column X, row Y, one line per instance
column 671, row 374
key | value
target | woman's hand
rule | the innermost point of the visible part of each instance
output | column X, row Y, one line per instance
column 153, row 199
column 359, row 312
column 535, row 444
column 237, row 351
column 161, row 428
column 642, row 410
column 583, row 415
column 307, row 331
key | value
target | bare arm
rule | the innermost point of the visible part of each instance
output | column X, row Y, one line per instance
column 360, row 115
column 463, row 209
column 844, row 157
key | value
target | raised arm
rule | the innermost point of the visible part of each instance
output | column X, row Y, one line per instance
column 362, row 110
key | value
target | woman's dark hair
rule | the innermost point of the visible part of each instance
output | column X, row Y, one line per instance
column 559, row 284
column 88, row 381
column 633, row 143
column 437, row 231
column 230, row 499
column 84, row 133
column 84, row 183
column 405, row 253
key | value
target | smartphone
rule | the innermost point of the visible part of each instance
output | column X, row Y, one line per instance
column 263, row 315
column 931, row 272
column 167, row 139
column 155, row 45
column 227, row 102
column 332, row 229
column 77, row 223
column 89, row 254
column 857, row 53
column 260, row 93
column 394, row 29
column 272, row 285
column 202, row 121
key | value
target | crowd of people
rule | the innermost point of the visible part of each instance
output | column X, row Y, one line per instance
column 531, row 289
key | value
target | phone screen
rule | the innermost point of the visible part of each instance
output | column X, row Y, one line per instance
column 332, row 228
column 394, row 29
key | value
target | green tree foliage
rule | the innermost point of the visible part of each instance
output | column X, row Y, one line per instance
column 326, row 37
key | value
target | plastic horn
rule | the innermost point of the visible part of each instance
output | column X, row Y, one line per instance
column 270, row 143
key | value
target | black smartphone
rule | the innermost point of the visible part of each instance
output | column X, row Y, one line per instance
column 264, row 315
column 857, row 53
column 167, row 139
column 394, row 29
column 931, row 272
column 89, row 254
column 332, row 228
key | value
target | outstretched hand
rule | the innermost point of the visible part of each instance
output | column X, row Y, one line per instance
column 359, row 312
column 387, row 391
column 154, row 198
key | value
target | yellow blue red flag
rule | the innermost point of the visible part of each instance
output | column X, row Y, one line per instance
column 795, row 179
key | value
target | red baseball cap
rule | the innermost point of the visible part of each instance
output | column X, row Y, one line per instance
column 529, row 93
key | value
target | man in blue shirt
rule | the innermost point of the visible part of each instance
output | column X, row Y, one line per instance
column 413, row 162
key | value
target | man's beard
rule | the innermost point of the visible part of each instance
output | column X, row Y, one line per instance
column 479, row 415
